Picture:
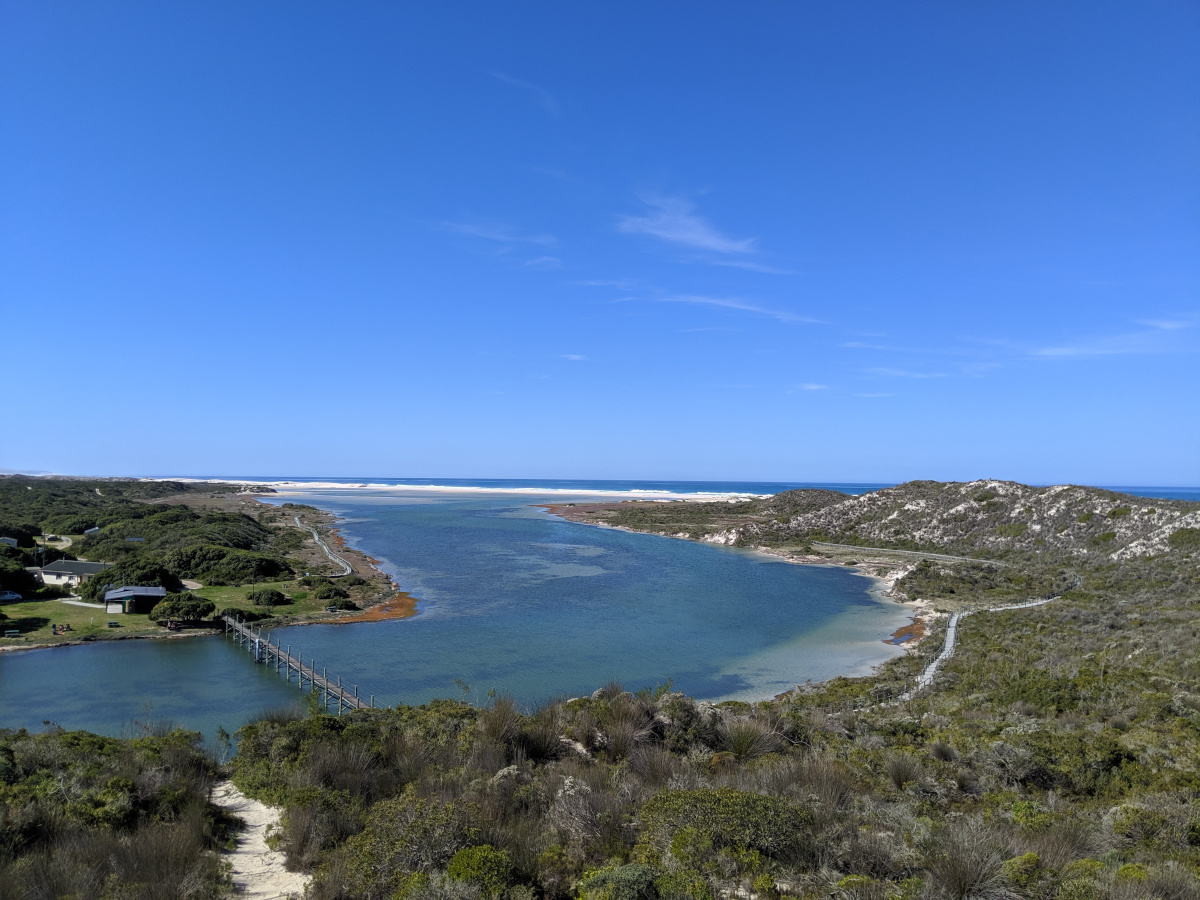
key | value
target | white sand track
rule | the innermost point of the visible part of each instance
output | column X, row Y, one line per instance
column 258, row 871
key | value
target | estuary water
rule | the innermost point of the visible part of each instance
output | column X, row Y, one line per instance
column 511, row 599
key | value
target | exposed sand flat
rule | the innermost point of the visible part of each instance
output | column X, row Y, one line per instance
column 631, row 494
column 257, row 870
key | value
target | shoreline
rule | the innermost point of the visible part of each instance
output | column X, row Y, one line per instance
column 906, row 637
column 300, row 487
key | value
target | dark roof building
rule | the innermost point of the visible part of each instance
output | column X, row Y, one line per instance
column 133, row 599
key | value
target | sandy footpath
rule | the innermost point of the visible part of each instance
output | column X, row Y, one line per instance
column 258, row 871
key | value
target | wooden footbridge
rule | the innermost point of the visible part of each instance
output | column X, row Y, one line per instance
column 329, row 690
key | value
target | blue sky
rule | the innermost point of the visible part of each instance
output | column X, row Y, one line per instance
column 801, row 241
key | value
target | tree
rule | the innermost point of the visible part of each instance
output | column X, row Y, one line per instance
column 182, row 608
column 267, row 597
column 134, row 570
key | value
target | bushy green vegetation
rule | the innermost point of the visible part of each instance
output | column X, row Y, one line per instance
column 1056, row 758
column 173, row 542
column 83, row 816
column 268, row 597
column 183, row 608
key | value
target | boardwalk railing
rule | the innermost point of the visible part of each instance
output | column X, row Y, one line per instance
column 328, row 689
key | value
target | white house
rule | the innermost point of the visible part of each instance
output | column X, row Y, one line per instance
column 71, row 572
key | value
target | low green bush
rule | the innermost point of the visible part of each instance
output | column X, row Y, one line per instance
column 329, row 592
column 727, row 818
column 1185, row 539
column 182, row 608
column 268, row 597
column 483, row 866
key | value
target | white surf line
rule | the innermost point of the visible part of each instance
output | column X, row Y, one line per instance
column 926, row 677
column 328, row 552
column 258, row 872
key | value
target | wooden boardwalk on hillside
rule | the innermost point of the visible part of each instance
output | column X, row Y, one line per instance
column 330, row 690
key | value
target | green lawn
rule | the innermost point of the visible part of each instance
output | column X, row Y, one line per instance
column 33, row 618
column 303, row 603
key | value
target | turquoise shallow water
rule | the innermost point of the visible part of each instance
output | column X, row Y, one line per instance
column 510, row 599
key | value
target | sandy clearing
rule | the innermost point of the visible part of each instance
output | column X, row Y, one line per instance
column 258, row 871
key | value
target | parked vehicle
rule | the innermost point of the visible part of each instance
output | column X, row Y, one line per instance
column 9, row 595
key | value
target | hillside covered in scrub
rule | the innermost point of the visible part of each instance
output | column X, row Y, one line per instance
column 994, row 519
column 1038, row 541
column 1056, row 758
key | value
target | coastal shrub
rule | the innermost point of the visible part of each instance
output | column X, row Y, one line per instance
column 267, row 597
column 182, row 608
column 727, row 818
column 137, row 814
column 403, row 836
column 13, row 577
column 1085, row 518
column 750, row 739
column 329, row 592
column 902, row 769
column 1119, row 512
column 630, row 882
column 484, row 866
column 223, row 565
column 1185, row 539
column 141, row 570
column 244, row 615
column 1011, row 529
column 965, row 862
column 345, row 605
column 942, row 751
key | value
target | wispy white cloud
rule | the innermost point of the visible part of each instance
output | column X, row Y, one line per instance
column 903, row 373
column 672, row 219
column 810, row 386
column 541, row 96
column 574, row 357
column 1166, row 324
column 859, row 345
column 749, row 265
column 621, row 284
column 544, row 262
column 1159, row 338
column 735, row 303
column 499, row 233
